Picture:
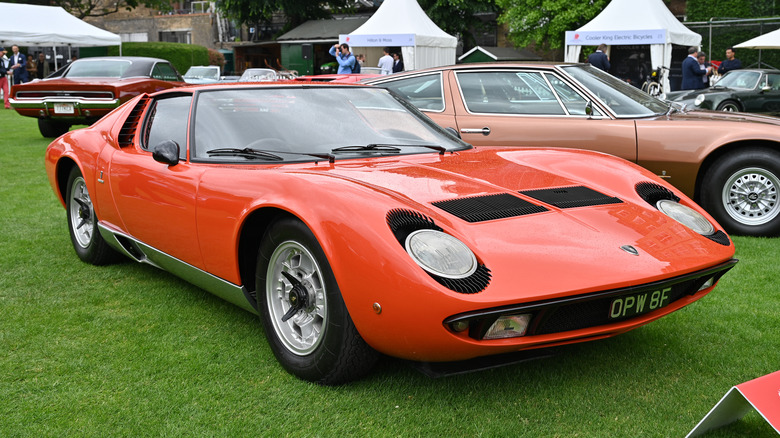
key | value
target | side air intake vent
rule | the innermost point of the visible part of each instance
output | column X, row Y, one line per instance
column 488, row 207
column 570, row 197
column 404, row 222
column 719, row 237
column 127, row 133
column 652, row 193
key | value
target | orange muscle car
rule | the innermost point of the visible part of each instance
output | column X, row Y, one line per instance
column 352, row 224
column 727, row 162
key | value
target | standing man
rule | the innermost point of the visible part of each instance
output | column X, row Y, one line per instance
column 18, row 65
column 345, row 59
column 386, row 62
column 3, row 76
column 691, row 72
column 398, row 63
column 42, row 67
column 704, row 65
column 731, row 63
column 599, row 58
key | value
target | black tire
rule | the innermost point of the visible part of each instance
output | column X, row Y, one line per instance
column 52, row 129
column 740, row 190
column 83, row 224
column 729, row 106
column 319, row 342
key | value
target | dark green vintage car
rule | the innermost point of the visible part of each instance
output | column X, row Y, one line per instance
column 749, row 90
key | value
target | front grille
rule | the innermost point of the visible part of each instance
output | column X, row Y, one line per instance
column 488, row 207
column 570, row 197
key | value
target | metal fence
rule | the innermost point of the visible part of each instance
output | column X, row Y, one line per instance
column 720, row 34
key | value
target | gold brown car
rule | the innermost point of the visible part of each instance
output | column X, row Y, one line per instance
column 727, row 162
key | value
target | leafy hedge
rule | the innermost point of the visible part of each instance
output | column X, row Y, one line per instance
column 182, row 56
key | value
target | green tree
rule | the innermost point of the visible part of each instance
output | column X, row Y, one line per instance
column 252, row 12
column 456, row 17
column 99, row 8
column 545, row 21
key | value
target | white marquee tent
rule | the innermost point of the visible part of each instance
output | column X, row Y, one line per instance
column 404, row 23
column 630, row 22
column 769, row 40
column 37, row 26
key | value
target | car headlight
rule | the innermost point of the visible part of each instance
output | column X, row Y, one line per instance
column 699, row 100
column 686, row 216
column 441, row 254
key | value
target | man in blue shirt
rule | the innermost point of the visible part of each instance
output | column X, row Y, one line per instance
column 345, row 59
column 599, row 58
column 730, row 63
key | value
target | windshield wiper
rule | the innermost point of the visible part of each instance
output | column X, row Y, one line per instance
column 392, row 148
column 246, row 153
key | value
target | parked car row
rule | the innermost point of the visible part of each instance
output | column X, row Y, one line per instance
column 727, row 162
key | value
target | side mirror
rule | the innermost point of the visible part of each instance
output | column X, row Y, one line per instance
column 589, row 108
column 765, row 87
column 166, row 152
column 454, row 132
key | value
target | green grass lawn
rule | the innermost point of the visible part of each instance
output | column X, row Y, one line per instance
column 128, row 350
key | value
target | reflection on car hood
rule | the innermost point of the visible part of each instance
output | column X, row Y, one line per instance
column 722, row 116
column 691, row 94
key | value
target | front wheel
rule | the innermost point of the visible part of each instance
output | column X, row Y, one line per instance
column 729, row 106
column 654, row 89
column 304, row 316
column 740, row 190
column 83, row 224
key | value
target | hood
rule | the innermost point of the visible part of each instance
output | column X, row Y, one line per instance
column 564, row 214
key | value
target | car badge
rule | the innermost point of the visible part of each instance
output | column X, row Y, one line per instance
column 630, row 249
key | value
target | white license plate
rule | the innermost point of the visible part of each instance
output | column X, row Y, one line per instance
column 63, row 108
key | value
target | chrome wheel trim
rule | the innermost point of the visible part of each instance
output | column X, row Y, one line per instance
column 82, row 213
column 303, row 332
column 750, row 196
column 730, row 108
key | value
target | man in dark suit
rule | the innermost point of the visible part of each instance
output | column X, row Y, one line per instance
column 18, row 65
column 692, row 74
column 599, row 58
column 398, row 64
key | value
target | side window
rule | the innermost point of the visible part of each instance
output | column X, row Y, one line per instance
column 424, row 92
column 167, row 120
column 164, row 72
column 773, row 81
column 573, row 101
column 508, row 92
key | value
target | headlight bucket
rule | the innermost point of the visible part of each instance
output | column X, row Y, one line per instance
column 441, row 254
column 686, row 216
column 699, row 100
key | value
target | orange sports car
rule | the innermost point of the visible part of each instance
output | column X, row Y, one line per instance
column 353, row 225
column 727, row 162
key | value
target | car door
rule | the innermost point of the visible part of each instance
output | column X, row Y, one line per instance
column 766, row 96
column 526, row 107
column 156, row 202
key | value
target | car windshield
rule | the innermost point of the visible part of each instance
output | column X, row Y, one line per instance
column 97, row 69
column 299, row 123
column 746, row 80
column 258, row 75
column 202, row 73
column 623, row 99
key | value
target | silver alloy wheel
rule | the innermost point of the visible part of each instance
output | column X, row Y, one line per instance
column 750, row 196
column 82, row 214
column 303, row 331
column 729, row 107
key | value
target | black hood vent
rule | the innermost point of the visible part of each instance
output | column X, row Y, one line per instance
column 570, row 197
column 127, row 133
column 488, row 207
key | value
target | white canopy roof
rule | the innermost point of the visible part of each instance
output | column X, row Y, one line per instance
column 33, row 25
column 404, row 23
column 769, row 40
column 630, row 22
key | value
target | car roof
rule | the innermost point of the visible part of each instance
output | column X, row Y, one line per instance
column 139, row 65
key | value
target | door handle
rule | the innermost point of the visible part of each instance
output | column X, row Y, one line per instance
column 483, row 131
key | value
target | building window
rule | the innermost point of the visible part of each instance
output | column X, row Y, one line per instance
column 176, row 36
column 137, row 37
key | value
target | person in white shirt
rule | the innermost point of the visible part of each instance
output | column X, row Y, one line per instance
column 386, row 62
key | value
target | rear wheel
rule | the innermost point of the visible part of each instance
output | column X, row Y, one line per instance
column 51, row 128
column 83, row 223
column 305, row 320
column 741, row 192
column 728, row 106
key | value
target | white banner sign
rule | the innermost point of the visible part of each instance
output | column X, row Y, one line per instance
column 399, row 39
column 615, row 37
